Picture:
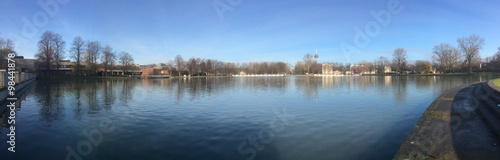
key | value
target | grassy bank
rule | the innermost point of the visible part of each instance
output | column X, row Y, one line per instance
column 496, row 82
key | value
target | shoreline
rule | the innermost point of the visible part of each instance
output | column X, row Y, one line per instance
column 19, row 89
column 448, row 74
column 270, row 75
column 82, row 77
column 455, row 126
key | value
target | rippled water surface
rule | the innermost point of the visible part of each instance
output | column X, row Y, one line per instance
column 221, row 118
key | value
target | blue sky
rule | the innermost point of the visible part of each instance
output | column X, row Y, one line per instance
column 154, row 31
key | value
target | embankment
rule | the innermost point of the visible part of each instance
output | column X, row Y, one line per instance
column 22, row 80
column 460, row 124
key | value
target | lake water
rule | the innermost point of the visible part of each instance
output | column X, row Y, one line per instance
column 222, row 118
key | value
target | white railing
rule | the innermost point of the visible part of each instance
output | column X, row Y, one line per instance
column 18, row 77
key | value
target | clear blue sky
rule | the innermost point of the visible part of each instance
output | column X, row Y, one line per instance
column 154, row 31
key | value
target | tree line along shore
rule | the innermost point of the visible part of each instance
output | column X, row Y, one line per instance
column 91, row 58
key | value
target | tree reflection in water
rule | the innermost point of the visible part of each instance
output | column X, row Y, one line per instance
column 90, row 96
column 49, row 94
column 309, row 85
column 87, row 96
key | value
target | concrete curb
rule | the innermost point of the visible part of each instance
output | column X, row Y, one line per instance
column 494, row 87
column 4, row 94
column 451, row 128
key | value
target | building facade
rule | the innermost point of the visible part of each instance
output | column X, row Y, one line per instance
column 327, row 69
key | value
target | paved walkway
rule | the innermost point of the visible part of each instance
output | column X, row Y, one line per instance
column 451, row 128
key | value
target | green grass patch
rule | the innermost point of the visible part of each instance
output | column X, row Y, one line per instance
column 496, row 82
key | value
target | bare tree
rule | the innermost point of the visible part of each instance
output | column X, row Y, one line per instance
column 179, row 63
column 170, row 66
column 44, row 54
column 308, row 61
column 50, row 49
column 210, row 66
column 316, row 68
column 400, row 59
column 299, row 68
column 6, row 47
column 282, row 67
column 446, row 56
column 492, row 63
column 59, row 53
column 265, row 67
column 497, row 55
column 367, row 66
column 126, row 61
column 192, row 65
column 77, row 51
column 423, row 67
column 380, row 63
column 228, row 68
column 218, row 67
column 92, row 55
column 112, row 60
column 470, row 46
column 411, row 67
column 203, row 66
column 199, row 65
column 108, row 58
